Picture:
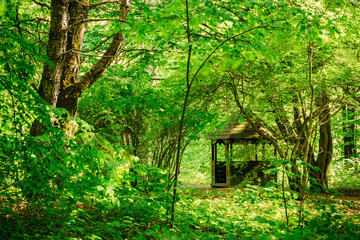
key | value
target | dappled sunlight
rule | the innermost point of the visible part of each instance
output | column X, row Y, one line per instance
column 179, row 119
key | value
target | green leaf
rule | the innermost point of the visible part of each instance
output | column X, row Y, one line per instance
column 2, row 7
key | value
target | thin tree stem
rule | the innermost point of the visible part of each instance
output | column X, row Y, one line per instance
column 188, row 85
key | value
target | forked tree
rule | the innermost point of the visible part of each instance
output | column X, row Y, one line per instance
column 61, row 85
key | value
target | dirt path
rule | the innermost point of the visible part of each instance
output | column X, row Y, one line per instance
column 349, row 194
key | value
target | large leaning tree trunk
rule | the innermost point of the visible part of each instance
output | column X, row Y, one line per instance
column 60, row 84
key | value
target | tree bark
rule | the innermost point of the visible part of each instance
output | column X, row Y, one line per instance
column 349, row 131
column 60, row 85
column 324, row 158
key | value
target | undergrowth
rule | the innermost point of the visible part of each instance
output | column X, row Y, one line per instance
column 142, row 213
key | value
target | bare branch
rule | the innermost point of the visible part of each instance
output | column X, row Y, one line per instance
column 91, row 55
column 97, row 70
column 91, row 50
column 215, row 49
column 92, row 20
column 82, row 52
column 94, row 5
column 104, row 62
column 140, row 50
column 42, row 4
column 323, row 65
column 355, row 4
column 241, row 19
column 36, row 19
column 118, row 79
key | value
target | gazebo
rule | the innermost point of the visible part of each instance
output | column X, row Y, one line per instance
column 235, row 158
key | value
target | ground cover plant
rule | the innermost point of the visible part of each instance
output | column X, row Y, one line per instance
column 108, row 108
column 237, row 214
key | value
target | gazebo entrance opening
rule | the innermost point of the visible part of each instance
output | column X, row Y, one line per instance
column 238, row 154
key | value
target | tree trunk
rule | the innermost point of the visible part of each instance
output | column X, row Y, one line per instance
column 349, row 131
column 60, row 85
column 324, row 158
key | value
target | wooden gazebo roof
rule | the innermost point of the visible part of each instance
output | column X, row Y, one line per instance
column 236, row 131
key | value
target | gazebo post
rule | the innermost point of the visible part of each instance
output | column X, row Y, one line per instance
column 256, row 155
column 227, row 162
column 226, row 143
column 212, row 151
column 226, row 173
column 213, row 160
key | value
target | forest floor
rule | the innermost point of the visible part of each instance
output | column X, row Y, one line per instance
column 349, row 194
column 352, row 195
column 206, row 213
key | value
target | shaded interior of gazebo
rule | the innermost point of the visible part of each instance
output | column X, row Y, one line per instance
column 229, row 166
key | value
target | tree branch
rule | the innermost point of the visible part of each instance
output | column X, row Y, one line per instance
column 241, row 19
column 97, row 70
column 354, row 4
column 94, row 5
column 92, row 55
column 118, row 79
column 92, row 20
column 42, row 4
column 91, row 50
column 140, row 50
column 221, row 44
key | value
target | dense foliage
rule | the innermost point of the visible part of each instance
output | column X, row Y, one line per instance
column 105, row 108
